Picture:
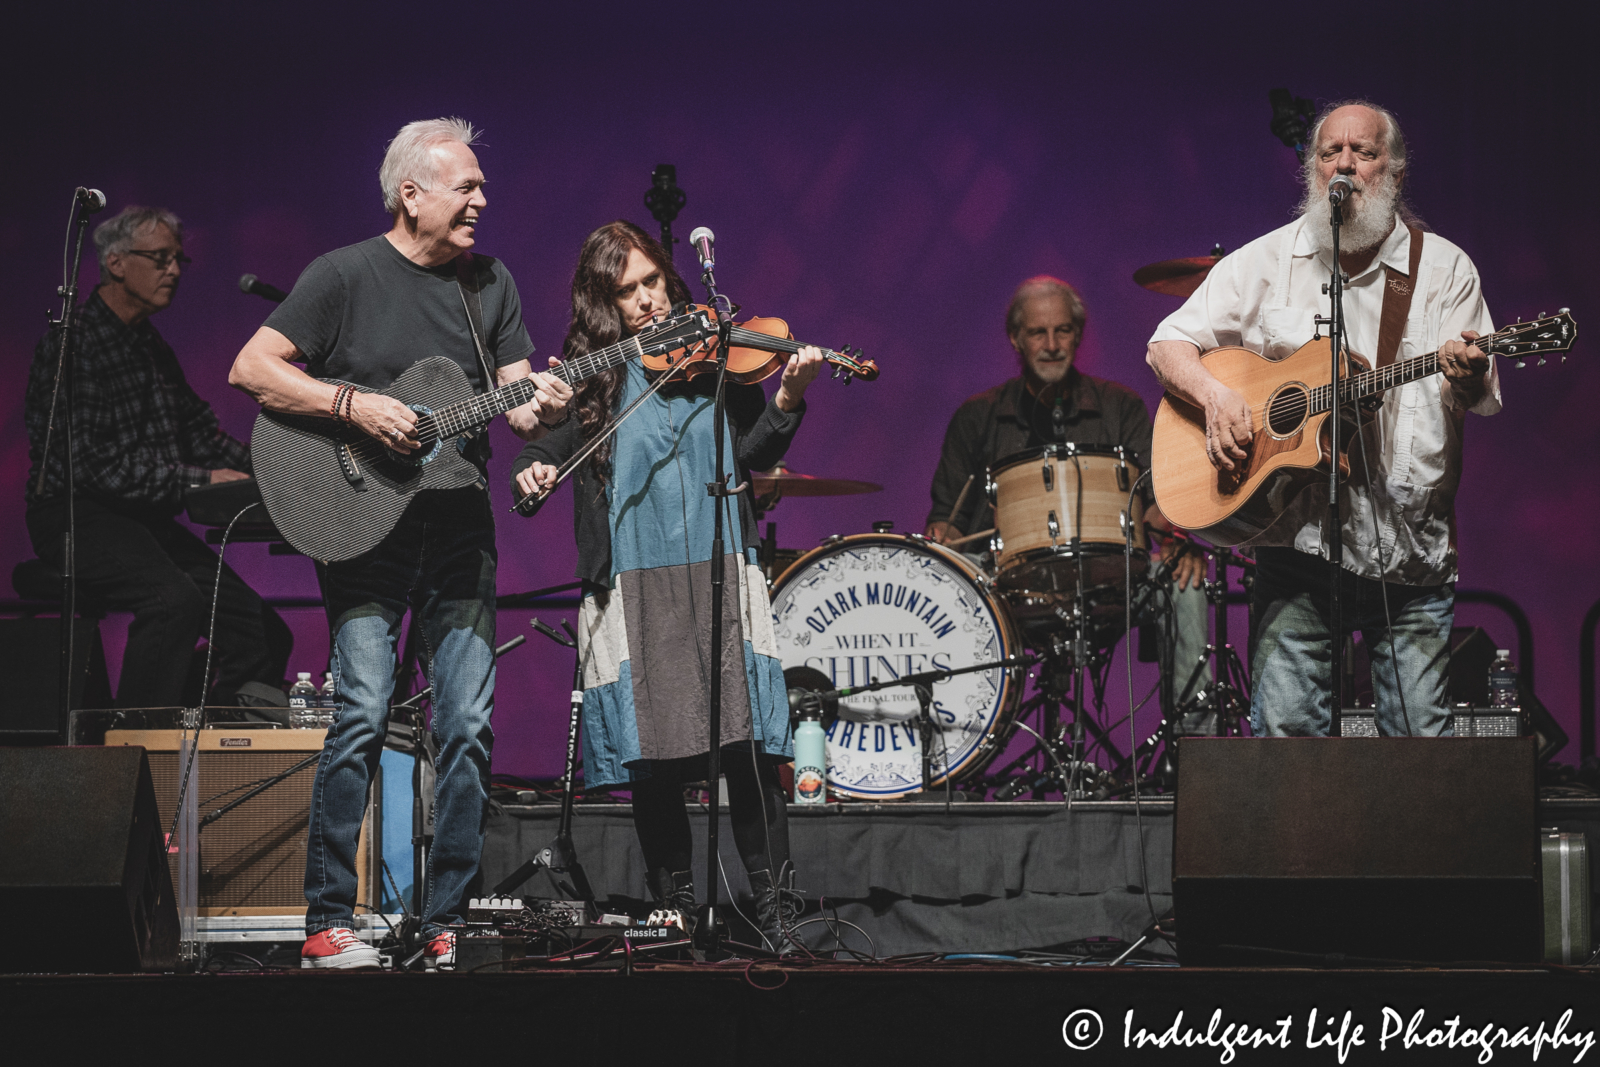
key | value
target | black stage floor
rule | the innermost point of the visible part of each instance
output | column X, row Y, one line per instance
column 820, row 1014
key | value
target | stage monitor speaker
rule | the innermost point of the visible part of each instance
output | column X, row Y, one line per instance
column 1417, row 849
column 30, row 651
column 83, row 876
column 253, row 858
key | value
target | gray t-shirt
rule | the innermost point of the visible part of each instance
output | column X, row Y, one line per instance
column 365, row 313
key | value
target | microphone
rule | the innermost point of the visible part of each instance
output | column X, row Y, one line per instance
column 255, row 286
column 90, row 201
column 1340, row 186
column 703, row 241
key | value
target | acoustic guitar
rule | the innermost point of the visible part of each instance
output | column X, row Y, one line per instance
column 1289, row 402
column 333, row 492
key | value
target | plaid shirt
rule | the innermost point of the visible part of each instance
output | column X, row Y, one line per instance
column 140, row 434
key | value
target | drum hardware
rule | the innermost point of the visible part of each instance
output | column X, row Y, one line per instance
column 1219, row 709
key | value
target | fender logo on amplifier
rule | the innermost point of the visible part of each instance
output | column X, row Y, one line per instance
column 233, row 742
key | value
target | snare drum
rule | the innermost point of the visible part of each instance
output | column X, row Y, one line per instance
column 875, row 607
column 1043, row 498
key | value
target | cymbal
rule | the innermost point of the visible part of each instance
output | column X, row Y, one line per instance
column 1176, row 277
column 785, row 482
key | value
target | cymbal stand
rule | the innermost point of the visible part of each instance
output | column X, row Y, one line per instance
column 1226, row 701
column 1063, row 747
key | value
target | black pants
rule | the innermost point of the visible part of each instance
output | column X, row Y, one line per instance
column 143, row 561
column 756, row 805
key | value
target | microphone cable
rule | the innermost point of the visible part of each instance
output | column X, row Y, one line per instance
column 200, row 712
column 1127, row 655
column 1383, row 587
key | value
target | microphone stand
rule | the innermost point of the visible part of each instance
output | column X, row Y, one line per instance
column 1336, row 342
column 560, row 856
column 69, row 582
column 719, row 491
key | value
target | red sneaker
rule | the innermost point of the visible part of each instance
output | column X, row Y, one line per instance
column 337, row 949
column 441, row 952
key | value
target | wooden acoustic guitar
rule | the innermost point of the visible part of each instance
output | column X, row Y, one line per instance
column 1289, row 402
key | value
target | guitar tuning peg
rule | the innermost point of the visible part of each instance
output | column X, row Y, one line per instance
column 1520, row 363
column 1542, row 361
column 1563, row 311
column 1540, row 315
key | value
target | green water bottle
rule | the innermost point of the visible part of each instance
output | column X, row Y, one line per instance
column 810, row 759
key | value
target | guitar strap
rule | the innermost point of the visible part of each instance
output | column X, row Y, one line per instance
column 1397, row 291
column 472, row 300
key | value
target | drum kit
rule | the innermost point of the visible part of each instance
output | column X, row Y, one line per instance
column 1052, row 584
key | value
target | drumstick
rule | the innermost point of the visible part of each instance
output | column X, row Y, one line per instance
column 962, row 499
column 969, row 537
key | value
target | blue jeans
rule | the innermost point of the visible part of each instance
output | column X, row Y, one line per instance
column 440, row 561
column 1291, row 669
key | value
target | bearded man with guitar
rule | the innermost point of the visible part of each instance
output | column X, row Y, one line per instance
column 370, row 316
column 1409, row 294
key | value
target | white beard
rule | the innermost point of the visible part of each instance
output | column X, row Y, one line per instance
column 1368, row 215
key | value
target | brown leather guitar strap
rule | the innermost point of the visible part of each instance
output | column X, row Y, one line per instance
column 1397, row 291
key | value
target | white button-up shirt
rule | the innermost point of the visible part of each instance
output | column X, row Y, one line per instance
column 1398, row 508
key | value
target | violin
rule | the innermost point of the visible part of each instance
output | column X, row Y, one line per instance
column 759, row 349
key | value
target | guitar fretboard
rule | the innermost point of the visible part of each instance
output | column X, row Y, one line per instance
column 479, row 410
column 1366, row 383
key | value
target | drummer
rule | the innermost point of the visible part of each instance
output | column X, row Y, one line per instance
column 1052, row 401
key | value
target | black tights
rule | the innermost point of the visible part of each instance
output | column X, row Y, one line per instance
column 757, row 806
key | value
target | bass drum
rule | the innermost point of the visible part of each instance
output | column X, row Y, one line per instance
column 875, row 607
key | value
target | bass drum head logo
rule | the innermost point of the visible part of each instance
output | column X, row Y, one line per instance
column 880, row 607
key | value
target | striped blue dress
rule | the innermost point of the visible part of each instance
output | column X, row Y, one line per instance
column 645, row 642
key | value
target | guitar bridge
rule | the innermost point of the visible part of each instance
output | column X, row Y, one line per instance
column 351, row 469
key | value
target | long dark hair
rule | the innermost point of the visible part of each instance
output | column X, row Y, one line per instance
column 596, row 322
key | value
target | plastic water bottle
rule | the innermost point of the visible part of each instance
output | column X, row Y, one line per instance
column 1503, row 680
column 327, row 702
column 810, row 760
column 303, row 703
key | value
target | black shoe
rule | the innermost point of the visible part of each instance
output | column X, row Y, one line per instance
column 674, row 895
column 778, row 907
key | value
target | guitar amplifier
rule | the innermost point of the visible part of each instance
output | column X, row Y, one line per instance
column 252, row 859
column 1468, row 722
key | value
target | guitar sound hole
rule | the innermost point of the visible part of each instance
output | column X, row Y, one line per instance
column 1286, row 411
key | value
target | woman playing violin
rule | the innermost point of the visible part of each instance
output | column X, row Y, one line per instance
column 644, row 529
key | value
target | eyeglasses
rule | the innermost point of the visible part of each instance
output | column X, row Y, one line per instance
column 162, row 258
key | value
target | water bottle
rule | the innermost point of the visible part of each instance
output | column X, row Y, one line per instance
column 303, row 703
column 1503, row 680
column 810, row 759
column 327, row 702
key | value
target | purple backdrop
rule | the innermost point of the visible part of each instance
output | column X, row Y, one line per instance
column 879, row 175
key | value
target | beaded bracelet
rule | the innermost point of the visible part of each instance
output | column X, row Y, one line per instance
column 349, row 402
column 338, row 399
